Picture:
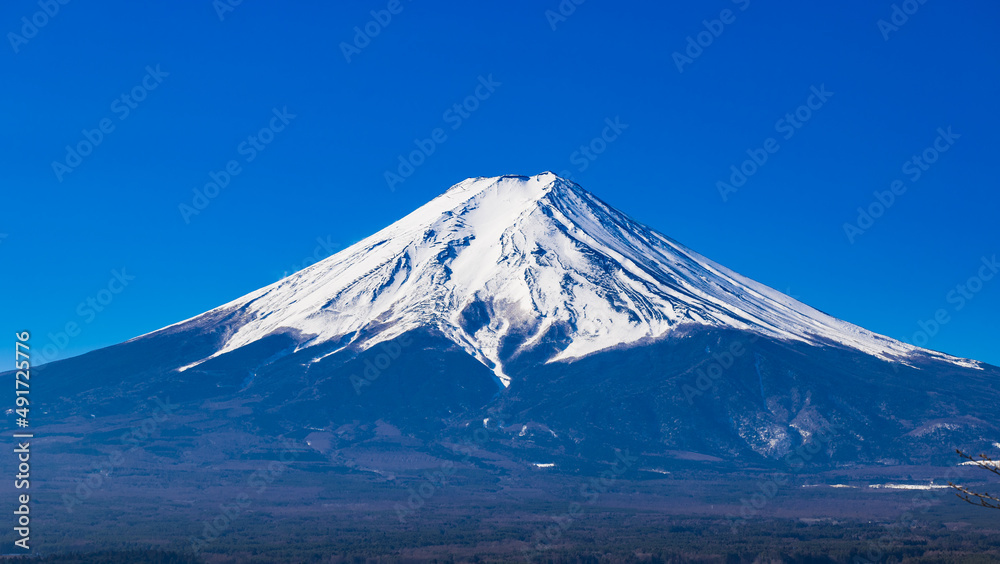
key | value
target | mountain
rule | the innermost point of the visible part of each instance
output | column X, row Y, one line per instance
column 517, row 259
column 529, row 307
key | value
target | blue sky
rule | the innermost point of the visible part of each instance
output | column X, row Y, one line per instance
column 101, row 240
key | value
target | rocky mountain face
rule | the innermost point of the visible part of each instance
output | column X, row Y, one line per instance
column 527, row 307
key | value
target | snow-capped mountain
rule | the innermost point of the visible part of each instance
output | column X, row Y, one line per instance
column 527, row 306
column 526, row 256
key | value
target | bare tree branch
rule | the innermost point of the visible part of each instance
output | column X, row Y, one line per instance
column 984, row 462
column 981, row 499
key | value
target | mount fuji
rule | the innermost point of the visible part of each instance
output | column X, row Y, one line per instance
column 522, row 257
column 529, row 307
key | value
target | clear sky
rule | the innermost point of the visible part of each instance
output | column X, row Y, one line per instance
column 180, row 92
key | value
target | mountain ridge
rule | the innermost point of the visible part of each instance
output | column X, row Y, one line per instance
column 523, row 256
column 531, row 307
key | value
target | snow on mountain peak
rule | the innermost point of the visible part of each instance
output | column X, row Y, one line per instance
column 531, row 257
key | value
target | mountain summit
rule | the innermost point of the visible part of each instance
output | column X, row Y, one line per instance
column 529, row 307
column 499, row 265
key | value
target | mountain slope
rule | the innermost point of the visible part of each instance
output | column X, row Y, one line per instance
column 499, row 264
column 529, row 309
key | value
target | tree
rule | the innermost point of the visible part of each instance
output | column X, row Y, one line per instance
column 983, row 499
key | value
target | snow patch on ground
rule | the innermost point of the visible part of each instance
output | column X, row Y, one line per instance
column 908, row 486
